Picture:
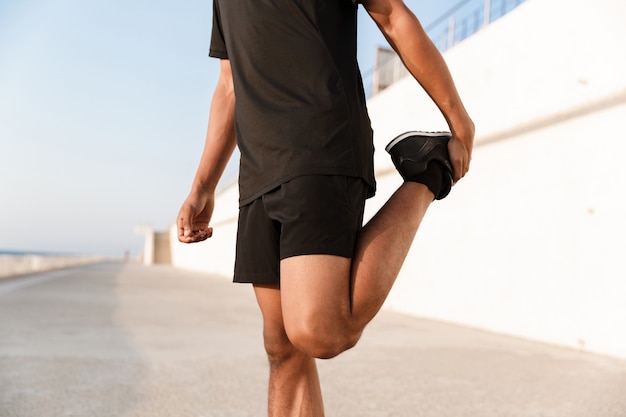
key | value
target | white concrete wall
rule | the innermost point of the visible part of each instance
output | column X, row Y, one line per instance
column 529, row 243
column 12, row 265
column 147, row 256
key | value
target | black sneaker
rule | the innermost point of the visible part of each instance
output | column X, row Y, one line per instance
column 412, row 152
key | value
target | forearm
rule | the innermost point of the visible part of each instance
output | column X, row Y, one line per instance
column 220, row 137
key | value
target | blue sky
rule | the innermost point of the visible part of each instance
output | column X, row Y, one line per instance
column 103, row 110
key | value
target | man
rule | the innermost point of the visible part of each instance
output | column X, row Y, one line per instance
column 290, row 92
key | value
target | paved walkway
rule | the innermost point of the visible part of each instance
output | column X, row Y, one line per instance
column 124, row 340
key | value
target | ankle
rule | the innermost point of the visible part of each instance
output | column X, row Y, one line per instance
column 432, row 178
column 419, row 192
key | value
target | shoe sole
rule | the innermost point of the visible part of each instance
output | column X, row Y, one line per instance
column 405, row 135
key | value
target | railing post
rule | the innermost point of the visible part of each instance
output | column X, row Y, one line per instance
column 487, row 12
column 450, row 33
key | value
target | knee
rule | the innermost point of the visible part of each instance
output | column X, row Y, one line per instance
column 278, row 347
column 323, row 343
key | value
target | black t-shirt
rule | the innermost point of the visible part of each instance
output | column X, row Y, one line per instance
column 300, row 105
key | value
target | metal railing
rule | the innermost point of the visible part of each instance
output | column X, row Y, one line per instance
column 458, row 23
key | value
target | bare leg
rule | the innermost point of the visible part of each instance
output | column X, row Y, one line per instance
column 328, row 300
column 382, row 247
column 325, row 302
column 294, row 388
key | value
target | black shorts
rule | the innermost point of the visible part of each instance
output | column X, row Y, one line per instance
column 315, row 214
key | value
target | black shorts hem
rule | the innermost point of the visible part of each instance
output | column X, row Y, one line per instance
column 256, row 279
column 274, row 277
column 304, row 251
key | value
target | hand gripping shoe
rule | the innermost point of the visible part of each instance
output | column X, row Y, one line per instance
column 412, row 152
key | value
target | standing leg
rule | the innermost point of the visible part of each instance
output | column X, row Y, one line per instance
column 294, row 388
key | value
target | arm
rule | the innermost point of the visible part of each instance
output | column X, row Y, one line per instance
column 195, row 213
column 406, row 36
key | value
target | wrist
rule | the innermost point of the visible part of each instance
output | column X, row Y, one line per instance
column 462, row 127
column 203, row 187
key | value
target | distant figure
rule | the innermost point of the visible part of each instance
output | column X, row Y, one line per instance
column 290, row 96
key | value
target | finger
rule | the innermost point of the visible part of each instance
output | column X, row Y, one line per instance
column 468, row 162
column 463, row 170
column 200, row 235
column 184, row 224
column 180, row 227
column 460, row 166
column 184, row 232
column 459, row 170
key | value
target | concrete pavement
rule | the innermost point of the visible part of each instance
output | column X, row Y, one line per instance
column 117, row 340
